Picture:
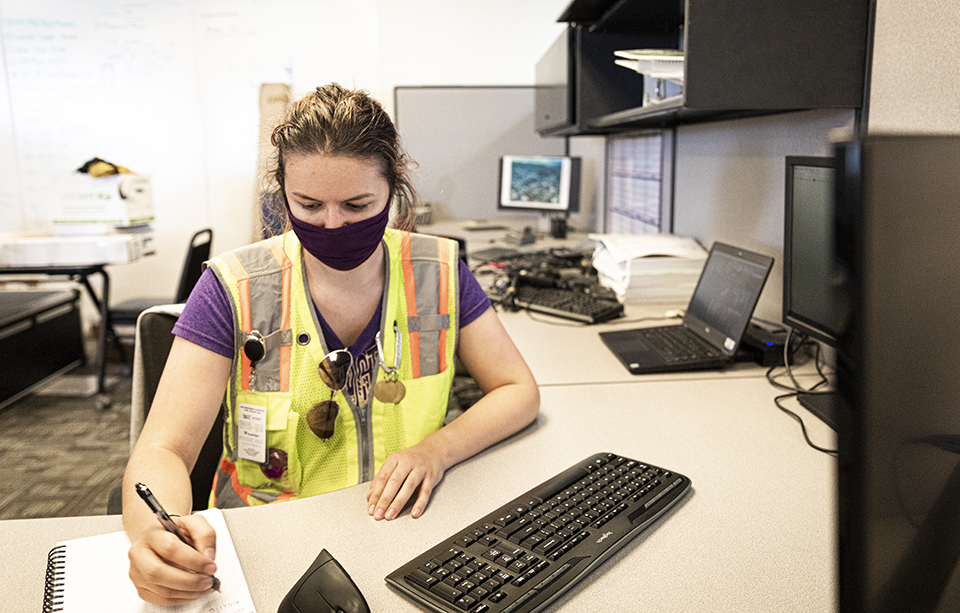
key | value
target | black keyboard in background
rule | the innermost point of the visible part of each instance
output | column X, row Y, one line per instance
column 522, row 556
column 567, row 303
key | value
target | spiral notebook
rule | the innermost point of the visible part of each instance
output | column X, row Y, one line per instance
column 90, row 574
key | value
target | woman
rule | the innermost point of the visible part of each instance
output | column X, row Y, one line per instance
column 331, row 348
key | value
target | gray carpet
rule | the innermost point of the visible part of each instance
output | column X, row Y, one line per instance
column 61, row 456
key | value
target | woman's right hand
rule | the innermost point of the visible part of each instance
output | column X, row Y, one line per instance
column 165, row 570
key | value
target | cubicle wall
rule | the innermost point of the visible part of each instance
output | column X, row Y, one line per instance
column 457, row 136
column 729, row 183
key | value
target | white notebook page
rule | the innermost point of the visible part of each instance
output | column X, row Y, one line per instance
column 97, row 567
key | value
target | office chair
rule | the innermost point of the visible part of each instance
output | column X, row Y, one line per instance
column 125, row 313
column 154, row 338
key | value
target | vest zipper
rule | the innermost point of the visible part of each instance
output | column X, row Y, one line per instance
column 366, row 461
column 361, row 417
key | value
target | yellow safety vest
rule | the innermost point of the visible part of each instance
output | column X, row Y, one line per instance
column 267, row 284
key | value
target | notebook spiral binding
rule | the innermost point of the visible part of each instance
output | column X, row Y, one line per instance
column 53, row 584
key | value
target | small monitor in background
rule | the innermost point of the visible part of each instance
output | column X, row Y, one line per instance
column 809, row 281
column 545, row 184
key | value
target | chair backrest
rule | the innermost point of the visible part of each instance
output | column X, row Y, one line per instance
column 154, row 339
column 197, row 254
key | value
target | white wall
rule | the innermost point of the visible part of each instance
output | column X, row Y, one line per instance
column 464, row 42
column 170, row 89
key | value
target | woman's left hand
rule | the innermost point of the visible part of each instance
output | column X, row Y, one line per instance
column 398, row 479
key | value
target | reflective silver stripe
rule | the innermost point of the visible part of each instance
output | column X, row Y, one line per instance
column 266, row 313
column 226, row 497
column 424, row 260
column 428, row 323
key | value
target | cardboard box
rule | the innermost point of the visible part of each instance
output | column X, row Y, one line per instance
column 99, row 203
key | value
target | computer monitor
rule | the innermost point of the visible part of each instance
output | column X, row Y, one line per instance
column 809, row 278
column 546, row 184
column 898, row 213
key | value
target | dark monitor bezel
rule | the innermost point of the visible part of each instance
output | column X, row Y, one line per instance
column 573, row 196
column 814, row 329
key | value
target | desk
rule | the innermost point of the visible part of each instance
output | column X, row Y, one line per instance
column 757, row 533
column 79, row 258
column 560, row 351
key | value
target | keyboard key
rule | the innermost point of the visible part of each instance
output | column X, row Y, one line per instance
column 422, row 579
column 446, row 556
column 548, row 545
column 520, row 535
column 448, row 593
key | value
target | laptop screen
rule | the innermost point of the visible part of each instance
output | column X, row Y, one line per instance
column 726, row 294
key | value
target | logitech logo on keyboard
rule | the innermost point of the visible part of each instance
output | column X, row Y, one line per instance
column 604, row 537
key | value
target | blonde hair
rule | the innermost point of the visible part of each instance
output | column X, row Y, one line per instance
column 336, row 121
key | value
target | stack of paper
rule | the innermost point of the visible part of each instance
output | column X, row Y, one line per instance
column 649, row 268
column 657, row 63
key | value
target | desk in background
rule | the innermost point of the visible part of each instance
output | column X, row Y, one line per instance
column 77, row 258
column 560, row 351
column 757, row 533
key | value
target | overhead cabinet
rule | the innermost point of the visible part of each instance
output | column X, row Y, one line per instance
column 740, row 58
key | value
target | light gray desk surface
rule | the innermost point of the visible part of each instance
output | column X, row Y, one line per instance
column 561, row 352
column 757, row 533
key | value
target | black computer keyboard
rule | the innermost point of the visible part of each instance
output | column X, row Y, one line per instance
column 522, row 556
column 677, row 344
column 567, row 303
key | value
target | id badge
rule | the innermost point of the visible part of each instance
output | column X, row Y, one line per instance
column 252, row 433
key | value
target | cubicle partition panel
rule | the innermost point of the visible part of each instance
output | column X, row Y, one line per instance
column 457, row 135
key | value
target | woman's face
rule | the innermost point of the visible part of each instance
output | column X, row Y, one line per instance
column 333, row 191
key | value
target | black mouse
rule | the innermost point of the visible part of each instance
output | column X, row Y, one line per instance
column 324, row 588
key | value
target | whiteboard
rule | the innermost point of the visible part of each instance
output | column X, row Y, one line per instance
column 167, row 88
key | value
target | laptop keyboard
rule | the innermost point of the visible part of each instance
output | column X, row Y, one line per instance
column 677, row 344
column 522, row 556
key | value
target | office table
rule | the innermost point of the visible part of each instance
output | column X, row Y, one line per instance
column 78, row 258
column 560, row 351
column 757, row 532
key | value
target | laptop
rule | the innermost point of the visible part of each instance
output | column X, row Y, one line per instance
column 716, row 318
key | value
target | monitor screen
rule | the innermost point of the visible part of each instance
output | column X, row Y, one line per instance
column 540, row 183
column 809, row 282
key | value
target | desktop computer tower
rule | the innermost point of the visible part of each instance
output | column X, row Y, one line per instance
column 898, row 254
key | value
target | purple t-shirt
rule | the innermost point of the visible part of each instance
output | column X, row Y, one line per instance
column 207, row 320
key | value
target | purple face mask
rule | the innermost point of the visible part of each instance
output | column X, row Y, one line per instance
column 342, row 248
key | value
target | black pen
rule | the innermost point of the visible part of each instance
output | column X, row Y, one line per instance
column 168, row 524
